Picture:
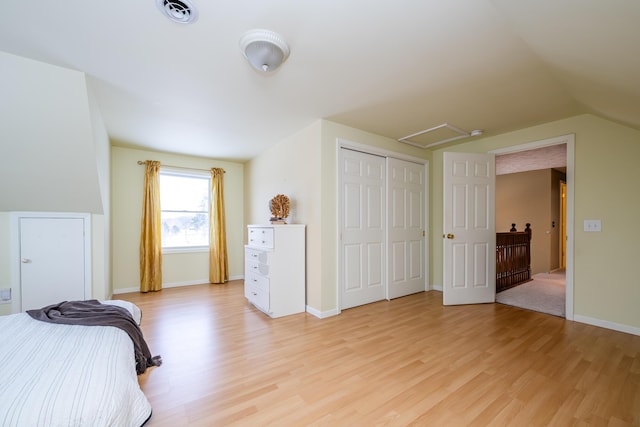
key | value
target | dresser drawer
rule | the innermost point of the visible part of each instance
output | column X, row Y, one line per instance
column 257, row 281
column 261, row 237
column 256, row 255
column 258, row 297
column 256, row 267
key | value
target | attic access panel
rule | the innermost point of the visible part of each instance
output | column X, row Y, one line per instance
column 437, row 135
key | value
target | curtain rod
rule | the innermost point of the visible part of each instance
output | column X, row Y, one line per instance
column 140, row 162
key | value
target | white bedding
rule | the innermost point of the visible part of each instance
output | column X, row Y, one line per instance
column 67, row 375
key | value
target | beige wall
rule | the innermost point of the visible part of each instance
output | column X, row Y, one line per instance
column 293, row 168
column 303, row 166
column 606, row 287
column 126, row 201
column 527, row 197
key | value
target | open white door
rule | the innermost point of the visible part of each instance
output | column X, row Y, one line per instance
column 469, row 229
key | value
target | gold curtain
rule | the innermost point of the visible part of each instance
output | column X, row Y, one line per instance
column 218, row 262
column 150, row 235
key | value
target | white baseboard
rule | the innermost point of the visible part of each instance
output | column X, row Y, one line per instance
column 606, row 324
column 436, row 288
column 173, row 285
column 322, row 314
column 126, row 290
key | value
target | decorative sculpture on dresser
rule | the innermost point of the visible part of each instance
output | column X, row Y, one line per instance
column 279, row 207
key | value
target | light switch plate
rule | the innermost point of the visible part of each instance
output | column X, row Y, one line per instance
column 592, row 225
column 5, row 294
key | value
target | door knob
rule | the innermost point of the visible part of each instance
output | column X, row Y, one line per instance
column 26, row 261
column 450, row 236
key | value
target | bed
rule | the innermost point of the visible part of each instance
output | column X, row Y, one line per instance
column 69, row 375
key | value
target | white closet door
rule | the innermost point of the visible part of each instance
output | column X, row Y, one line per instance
column 362, row 225
column 406, row 242
column 52, row 261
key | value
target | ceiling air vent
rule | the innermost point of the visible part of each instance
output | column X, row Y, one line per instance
column 180, row 11
column 438, row 135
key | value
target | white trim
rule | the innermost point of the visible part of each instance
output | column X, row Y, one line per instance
column 569, row 140
column 185, row 250
column 435, row 287
column 376, row 151
column 174, row 285
column 535, row 144
column 606, row 324
column 14, row 253
column 322, row 314
column 125, row 290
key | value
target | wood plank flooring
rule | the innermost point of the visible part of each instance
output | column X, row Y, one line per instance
column 407, row 362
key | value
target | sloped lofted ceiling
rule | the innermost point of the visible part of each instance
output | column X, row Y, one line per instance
column 391, row 68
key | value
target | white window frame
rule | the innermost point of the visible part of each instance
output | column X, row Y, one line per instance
column 187, row 173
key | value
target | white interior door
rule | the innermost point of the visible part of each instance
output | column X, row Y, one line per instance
column 406, row 229
column 362, row 225
column 469, row 229
column 52, row 261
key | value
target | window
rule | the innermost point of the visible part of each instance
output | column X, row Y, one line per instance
column 184, row 205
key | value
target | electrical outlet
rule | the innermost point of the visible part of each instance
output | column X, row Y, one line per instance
column 592, row 225
column 5, row 294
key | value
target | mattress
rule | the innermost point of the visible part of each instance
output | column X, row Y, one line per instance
column 67, row 375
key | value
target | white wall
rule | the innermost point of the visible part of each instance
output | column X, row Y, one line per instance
column 101, row 237
column 49, row 160
column 5, row 264
column 127, row 179
column 54, row 155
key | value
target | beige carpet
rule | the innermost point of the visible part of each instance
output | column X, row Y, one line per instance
column 545, row 293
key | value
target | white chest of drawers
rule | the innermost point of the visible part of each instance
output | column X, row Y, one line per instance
column 274, row 272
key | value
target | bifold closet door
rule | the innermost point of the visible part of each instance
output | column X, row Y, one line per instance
column 362, row 226
column 406, row 231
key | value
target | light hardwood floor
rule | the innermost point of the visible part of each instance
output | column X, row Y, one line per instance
column 410, row 361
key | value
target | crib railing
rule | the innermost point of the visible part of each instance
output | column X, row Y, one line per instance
column 513, row 258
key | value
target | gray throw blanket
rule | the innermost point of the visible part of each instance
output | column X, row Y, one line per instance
column 93, row 313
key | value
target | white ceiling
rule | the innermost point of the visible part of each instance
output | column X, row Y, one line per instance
column 391, row 68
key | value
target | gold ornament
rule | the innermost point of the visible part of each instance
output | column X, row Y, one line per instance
column 279, row 206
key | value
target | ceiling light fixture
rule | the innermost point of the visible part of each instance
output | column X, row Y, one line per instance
column 180, row 11
column 264, row 49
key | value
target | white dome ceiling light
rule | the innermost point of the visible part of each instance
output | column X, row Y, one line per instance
column 180, row 11
column 264, row 49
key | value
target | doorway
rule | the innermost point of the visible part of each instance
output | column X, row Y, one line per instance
column 553, row 286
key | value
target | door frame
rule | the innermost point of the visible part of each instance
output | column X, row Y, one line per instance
column 14, row 253
column 368, row 149
column 569, row 140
